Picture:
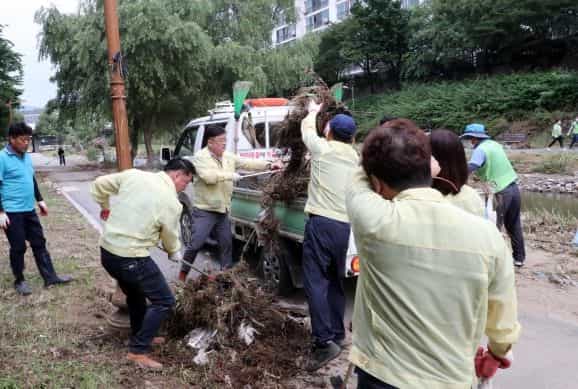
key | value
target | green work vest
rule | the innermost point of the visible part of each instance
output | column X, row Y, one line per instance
column 497, row 169
column 575, row 129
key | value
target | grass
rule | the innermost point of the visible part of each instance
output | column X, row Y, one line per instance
column 58, row 337
column 556, row 164
column 41, row 335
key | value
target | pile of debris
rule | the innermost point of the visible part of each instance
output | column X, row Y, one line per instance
column 292, row 182
column 238, row 331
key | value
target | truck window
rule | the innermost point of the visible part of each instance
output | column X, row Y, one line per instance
column 255, row 133
column 187, row 142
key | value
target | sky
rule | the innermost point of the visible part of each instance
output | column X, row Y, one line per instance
column 18, row 18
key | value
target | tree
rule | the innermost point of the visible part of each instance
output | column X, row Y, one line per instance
column 166, row 56
column 10, row 79
column 175, row 68
column 331, row 60
column 463, row 35
column 247, row 22
column 382, row 38
column 374, row 38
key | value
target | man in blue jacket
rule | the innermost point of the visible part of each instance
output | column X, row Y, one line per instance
column 18, row 196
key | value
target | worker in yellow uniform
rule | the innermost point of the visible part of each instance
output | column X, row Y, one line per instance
column 326, row 238
column 433, row 277
column 216, row 171
column 146, row 209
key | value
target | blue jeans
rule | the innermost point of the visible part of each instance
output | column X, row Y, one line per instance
column 324, row 251
column 367, row 381
column 140, row 279
column 25, row 226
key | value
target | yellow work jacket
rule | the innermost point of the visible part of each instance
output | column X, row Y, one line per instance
column 433, row 279
column 332, row 164
column 469, row 200
column 213, row 189
column 146, row 210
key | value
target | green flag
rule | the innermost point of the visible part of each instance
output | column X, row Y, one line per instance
column 240, row 92
column 337, row 92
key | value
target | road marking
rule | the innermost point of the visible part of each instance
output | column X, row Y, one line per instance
column 91, row 219
column 69, row 189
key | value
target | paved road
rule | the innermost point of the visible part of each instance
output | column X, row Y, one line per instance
column 545, row 358
column 75, row 186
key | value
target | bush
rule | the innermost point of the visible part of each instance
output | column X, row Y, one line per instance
column 491, row 100
column 555, row 164
column 92, row 154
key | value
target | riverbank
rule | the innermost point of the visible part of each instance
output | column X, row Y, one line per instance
column 548, row 183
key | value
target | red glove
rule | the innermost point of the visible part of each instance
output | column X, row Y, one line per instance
column 104, row 214
column 487, row 364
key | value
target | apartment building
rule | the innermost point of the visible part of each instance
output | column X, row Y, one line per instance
column 316, row 15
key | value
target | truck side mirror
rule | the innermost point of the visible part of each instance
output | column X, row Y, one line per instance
column 166, row 154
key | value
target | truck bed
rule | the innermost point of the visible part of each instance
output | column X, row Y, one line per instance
column 246, row 207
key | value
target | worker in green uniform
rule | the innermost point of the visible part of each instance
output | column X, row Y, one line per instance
column 574, row 132
column 491, row 164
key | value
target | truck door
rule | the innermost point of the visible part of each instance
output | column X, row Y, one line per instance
column 186, row 144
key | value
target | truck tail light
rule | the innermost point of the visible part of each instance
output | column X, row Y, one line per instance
column 355, row 264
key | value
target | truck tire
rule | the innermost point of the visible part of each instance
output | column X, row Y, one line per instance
column 186, row 226
column 276, row 271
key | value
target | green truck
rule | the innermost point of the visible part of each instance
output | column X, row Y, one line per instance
column 254, row 131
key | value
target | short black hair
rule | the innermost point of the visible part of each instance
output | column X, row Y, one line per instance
column 212, row 131
column 399, row 154
column 179, row 163
column 19, row 129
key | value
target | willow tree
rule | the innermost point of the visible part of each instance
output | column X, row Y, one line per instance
column 10, row 79
column 165, row 59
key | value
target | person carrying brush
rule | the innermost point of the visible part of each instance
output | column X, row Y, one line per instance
column 433, row 279
column 326, row 239
column 146, row 210
column 213, row 189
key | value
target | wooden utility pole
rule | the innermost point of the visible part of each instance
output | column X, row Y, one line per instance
column 120, row 318
column 123, row 154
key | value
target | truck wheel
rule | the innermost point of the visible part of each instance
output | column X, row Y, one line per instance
column 276, row 272
column 186, row 226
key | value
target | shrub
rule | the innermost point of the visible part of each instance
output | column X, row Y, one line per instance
column 554, row 164
column 92, row 154
column 489, row 100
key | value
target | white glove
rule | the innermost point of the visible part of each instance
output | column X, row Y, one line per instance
column 4, row 220
column 313, row 107
column 176, row 256
column 43, row 208
column 236, row 177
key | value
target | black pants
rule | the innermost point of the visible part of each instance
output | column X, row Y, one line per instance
column 140, row 279
column 62, row 160
column 509, row 205
column 558, row 139
column 205, row 222
column 25, row 226
column 367, row 381
column 324, row 250
column 574, row 140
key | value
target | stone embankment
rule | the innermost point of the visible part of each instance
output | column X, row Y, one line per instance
column 548, row 183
